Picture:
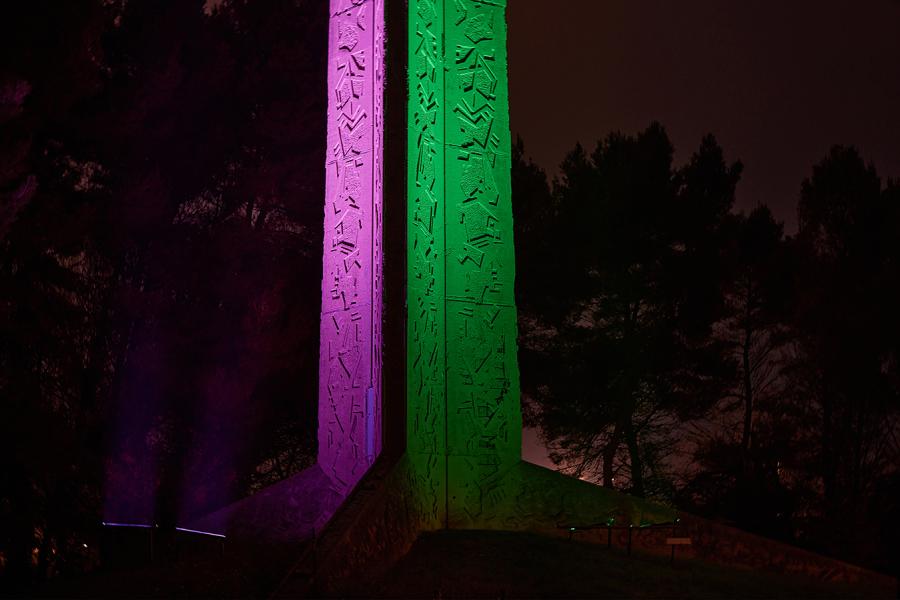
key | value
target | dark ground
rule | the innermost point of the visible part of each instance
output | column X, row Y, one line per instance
column 202, row 570
column 491, row 564
column 470, row 564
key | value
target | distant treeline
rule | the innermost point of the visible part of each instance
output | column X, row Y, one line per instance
column 679, row 350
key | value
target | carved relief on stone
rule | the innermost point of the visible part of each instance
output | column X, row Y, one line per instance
column 463, row 385
column 350, row 333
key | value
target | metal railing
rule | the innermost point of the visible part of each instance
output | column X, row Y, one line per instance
column 610, row 525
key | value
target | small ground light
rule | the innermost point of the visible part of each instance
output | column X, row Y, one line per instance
column 85, row 545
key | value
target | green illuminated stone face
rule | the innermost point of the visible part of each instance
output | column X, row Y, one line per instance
column 464, row 430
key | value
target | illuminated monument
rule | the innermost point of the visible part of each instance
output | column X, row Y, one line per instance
column 464, row 422
column 464, row 429
column 464, row 419
column 350, row 331
column 462, row 466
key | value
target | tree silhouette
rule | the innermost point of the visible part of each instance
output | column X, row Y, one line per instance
column 744, row 443
column 160, row 259
column 631, row 339
column 674, row 348
column 848, row 287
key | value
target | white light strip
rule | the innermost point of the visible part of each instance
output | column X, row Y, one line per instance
column 218, row 535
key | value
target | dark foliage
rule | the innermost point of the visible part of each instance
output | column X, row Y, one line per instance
column 632, row 257
column 678, row 350
column 160, row 227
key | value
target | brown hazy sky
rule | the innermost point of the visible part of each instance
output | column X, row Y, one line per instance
column 777, row 81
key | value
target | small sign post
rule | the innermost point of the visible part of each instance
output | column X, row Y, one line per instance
column 677, row 541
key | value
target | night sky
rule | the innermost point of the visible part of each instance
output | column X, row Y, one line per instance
column 777, row 81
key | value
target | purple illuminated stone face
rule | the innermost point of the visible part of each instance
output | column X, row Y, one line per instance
column 350, row 351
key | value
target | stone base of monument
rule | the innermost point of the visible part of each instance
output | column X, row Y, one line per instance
column 288, row 511
column 379, row 523
column 383, row 518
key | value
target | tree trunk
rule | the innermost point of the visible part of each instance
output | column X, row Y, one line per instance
column 829, row 464
column 609, row 456
column 748, row 390
column 747, row 382
column 634, row 453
